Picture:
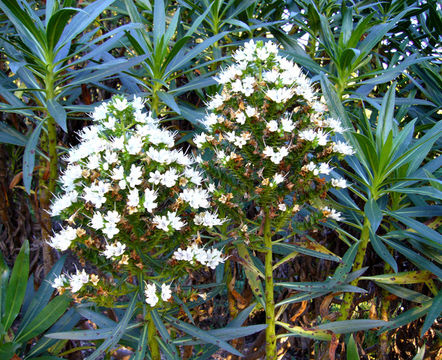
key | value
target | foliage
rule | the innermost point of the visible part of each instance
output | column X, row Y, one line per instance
column 26, row 313
column 379, row 67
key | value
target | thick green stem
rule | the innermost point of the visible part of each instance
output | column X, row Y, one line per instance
column 269, row 290
column 359, row 260
column 151, row 341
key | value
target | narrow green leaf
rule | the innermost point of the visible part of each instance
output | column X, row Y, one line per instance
column 169, row 100
column 47, row 317
column 203, row 335
column 15, row 292
column 350, row 326
column 382, row 251
column 307, row 333
column 406, row 317
column 164, row 334
column 29, row 156
column 373, row 213
column 420, row 354
column 433, row 313
column 159, row 20
column 352, row 349
column 58, row 113
column 405, row 293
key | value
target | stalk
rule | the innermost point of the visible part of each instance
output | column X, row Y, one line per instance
column 269, row 290
column 359, row 260
column 151, row 341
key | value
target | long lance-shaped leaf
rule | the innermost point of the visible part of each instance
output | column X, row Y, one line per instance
column 42, row 296
column 307, row 333
column 350, row 326
column 407, row 317
column 58, row 113
column 164, row 335
column 15, row 292
column 179, row 62
column 82, row 20
column 46, row 318
column 433, row 312
column 30, row 34
column 203, row 335
column 405, row 293
column 67, row 322
column 118, row 331
column 9, row 135
column 159, row 20
column 29, row 156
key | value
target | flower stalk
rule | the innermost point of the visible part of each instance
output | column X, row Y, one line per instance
column 269, row 290
column 359, row 260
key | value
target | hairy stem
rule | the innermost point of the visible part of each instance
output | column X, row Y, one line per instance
column 359, row 260
column 269, row 290
column 151, row 341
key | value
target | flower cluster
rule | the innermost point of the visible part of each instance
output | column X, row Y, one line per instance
column 211, row 257
column 271, row 133
column 129, row 199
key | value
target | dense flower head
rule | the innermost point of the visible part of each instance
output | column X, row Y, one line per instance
column 271, row 133
column 129, row 197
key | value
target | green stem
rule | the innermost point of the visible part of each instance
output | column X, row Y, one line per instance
column 359, row 260
column 152, row 342
column 269, row 290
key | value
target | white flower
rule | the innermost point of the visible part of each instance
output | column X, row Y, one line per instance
column 110, row 123
column 118, row 143
column 77, row 280
column 193, row 175
column 339, row 183
column 196, row 198
column 282, row 207
column 308, row 135
column 287, row 124
column 100, row 112
column 95, row 193
column 134, row 145
column 332, row 213
column 133, row 199
column 120, row 105
column 251, row 111
column 272, row 126
column 335, row 125
column 72, row 173
column 280, row 95
column 149, row 200
column 97, row 222
column 63, row 202
column 208, row 219
column 343, row 148
column 155, row 177
column 59, row 281
column 324, row 168
column 271, row 76
column 169, row 178
column 113, row 217
column 63, row 239
column 215, row 102
column 161, row 222
column 166, row 293
column 138, row 103
column 93, row 162
column 110, row 229
column 135, row 175
column 200, row 140
column 114, row 250
column 175, row 221
column 278, row 178
column 150, row 294
column 118, row 173
column 240, row 118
